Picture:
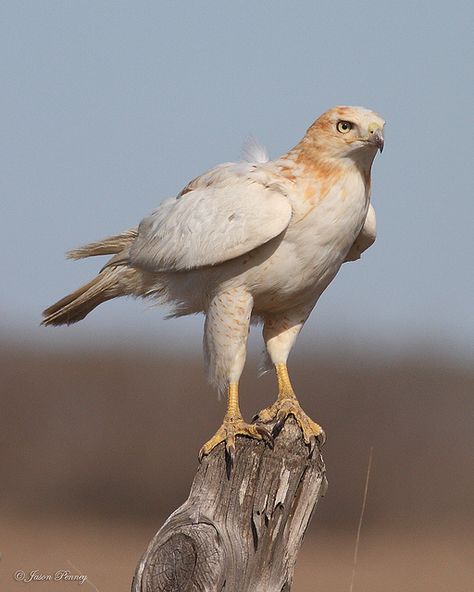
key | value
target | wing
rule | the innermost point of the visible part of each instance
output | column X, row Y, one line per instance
column 227, row 212
column 366, row 237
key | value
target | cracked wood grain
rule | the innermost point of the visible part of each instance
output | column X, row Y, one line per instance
column 239, row 532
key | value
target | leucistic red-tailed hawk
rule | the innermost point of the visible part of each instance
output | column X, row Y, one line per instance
column 257, row 239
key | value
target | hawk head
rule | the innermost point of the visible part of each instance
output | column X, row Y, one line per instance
column 347, row 132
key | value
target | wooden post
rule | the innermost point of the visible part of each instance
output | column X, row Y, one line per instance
column 238, row 531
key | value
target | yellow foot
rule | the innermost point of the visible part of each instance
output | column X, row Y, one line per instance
column 281, row 409
column 227, row 433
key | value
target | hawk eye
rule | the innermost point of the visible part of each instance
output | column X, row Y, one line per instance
column 344, row 126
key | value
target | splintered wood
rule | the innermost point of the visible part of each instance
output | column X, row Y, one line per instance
column 239, row 530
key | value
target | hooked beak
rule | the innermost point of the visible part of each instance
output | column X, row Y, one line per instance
column 376, row 137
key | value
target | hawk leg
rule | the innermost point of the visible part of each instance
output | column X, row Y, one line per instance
column 287, row 404
column 234, row 425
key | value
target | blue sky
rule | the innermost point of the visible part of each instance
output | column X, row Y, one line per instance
column 109, row 107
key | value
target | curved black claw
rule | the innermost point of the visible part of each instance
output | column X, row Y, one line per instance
column 278, row 426
column 229, row 459
column 320, row 439
column 266, row 435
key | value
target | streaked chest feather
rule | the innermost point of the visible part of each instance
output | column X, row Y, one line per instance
column 327, row 220
column 314, row 246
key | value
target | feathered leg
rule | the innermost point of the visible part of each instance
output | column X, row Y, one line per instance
column 225, row 342
column 280, row 333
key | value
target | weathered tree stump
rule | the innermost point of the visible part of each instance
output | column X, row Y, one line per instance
column 238, row 531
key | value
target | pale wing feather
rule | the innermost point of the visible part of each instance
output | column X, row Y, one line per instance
column 219, row 216
column 366, row 237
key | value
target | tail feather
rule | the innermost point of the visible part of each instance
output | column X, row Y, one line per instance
column 74, row 307
column 107, row 246
column 115, row 279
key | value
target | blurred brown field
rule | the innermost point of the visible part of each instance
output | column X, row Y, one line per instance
column 99, row 446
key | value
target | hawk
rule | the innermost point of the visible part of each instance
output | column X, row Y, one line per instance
column 257, row 240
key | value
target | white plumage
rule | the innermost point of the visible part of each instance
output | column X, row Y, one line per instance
column 253, row 151
column 232, row 210
column 257, row 238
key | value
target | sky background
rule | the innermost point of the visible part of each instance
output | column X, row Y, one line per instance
column 110, row 107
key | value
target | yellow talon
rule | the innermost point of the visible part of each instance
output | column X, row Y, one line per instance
column 232, row 426
column 227, row 433
column 287, row 404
